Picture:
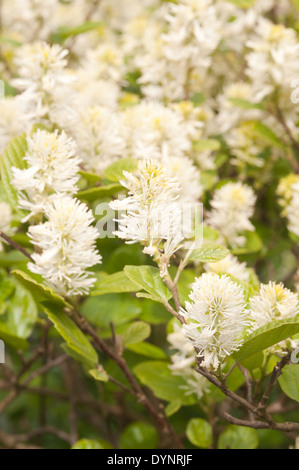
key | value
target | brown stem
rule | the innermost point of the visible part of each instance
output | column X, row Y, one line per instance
column 16, row 246
column 273, row 379
column 158, row 416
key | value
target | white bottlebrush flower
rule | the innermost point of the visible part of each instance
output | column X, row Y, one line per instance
column 52, row 169
column 245, row 145
column 45, row 82
column 150, row 210
column 13, row 120
column 274, row 302
column 40, row 63
column 190, row 35
column 274, row 60
column 99, row 138
column 5, row 220
column 183, row 363
column 230, row 114
column 153, row 131
column 232, row 207
column 216, row 319
column 106, row 62
column 230, row 265
column 292, row 209
column 67, row 245
column 188, row 176
column 153, row 214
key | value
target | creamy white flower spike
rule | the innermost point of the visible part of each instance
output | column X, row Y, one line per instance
column 292, row 209
column 67, row 242
column 274, row 60
column 99, row 137
column 153, row 213
column 5, row 220
column 13, row 120
column 183, row 363
column 153, row 131
column 274, row 302
column 45, row 82
column 52, row 169
column 151, row 192
column 230, row 265
column 232, row 207
column 216, row 319
column 40, row 63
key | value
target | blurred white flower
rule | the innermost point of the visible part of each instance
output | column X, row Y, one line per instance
column 274, row 302
column 99, row 138
column 292, row 209
column 52, row 169
column 274, row 60
column 230, row 265
column 183, row 363
column 5, row 220
column 232, row 207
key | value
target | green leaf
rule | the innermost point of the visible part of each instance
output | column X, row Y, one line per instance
column 209, row 253
column 209, row 144
column 267, row 135
column 13, row 259
column 134, row 332
column 92, row 444
column 147, row 350
column 253, row 362
column 21, row 313
column 158, row 377
column 173, row 407
column 210, row 233
column 115, row 171
column 13, row 156
column 139, row 435
column 243, row 3
column 116, row 308
column 73, row 336
column 99, row 192
column 267, row 336
column 91, row 177
column 199, row 433
column 237, row 437
column 12, row 340
column 65, row 32
column 253, row 244
column 38, row 290
column 289, row 381
column 149, row 279
column 244, row 104
column 114, row 284
column 99, row 374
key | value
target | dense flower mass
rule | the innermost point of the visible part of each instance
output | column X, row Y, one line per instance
column 216, row 319
column 163, row 134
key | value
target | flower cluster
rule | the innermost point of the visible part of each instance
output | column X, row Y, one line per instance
column 216, row 319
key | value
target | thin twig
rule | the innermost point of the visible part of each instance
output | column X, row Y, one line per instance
column 16, row 245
